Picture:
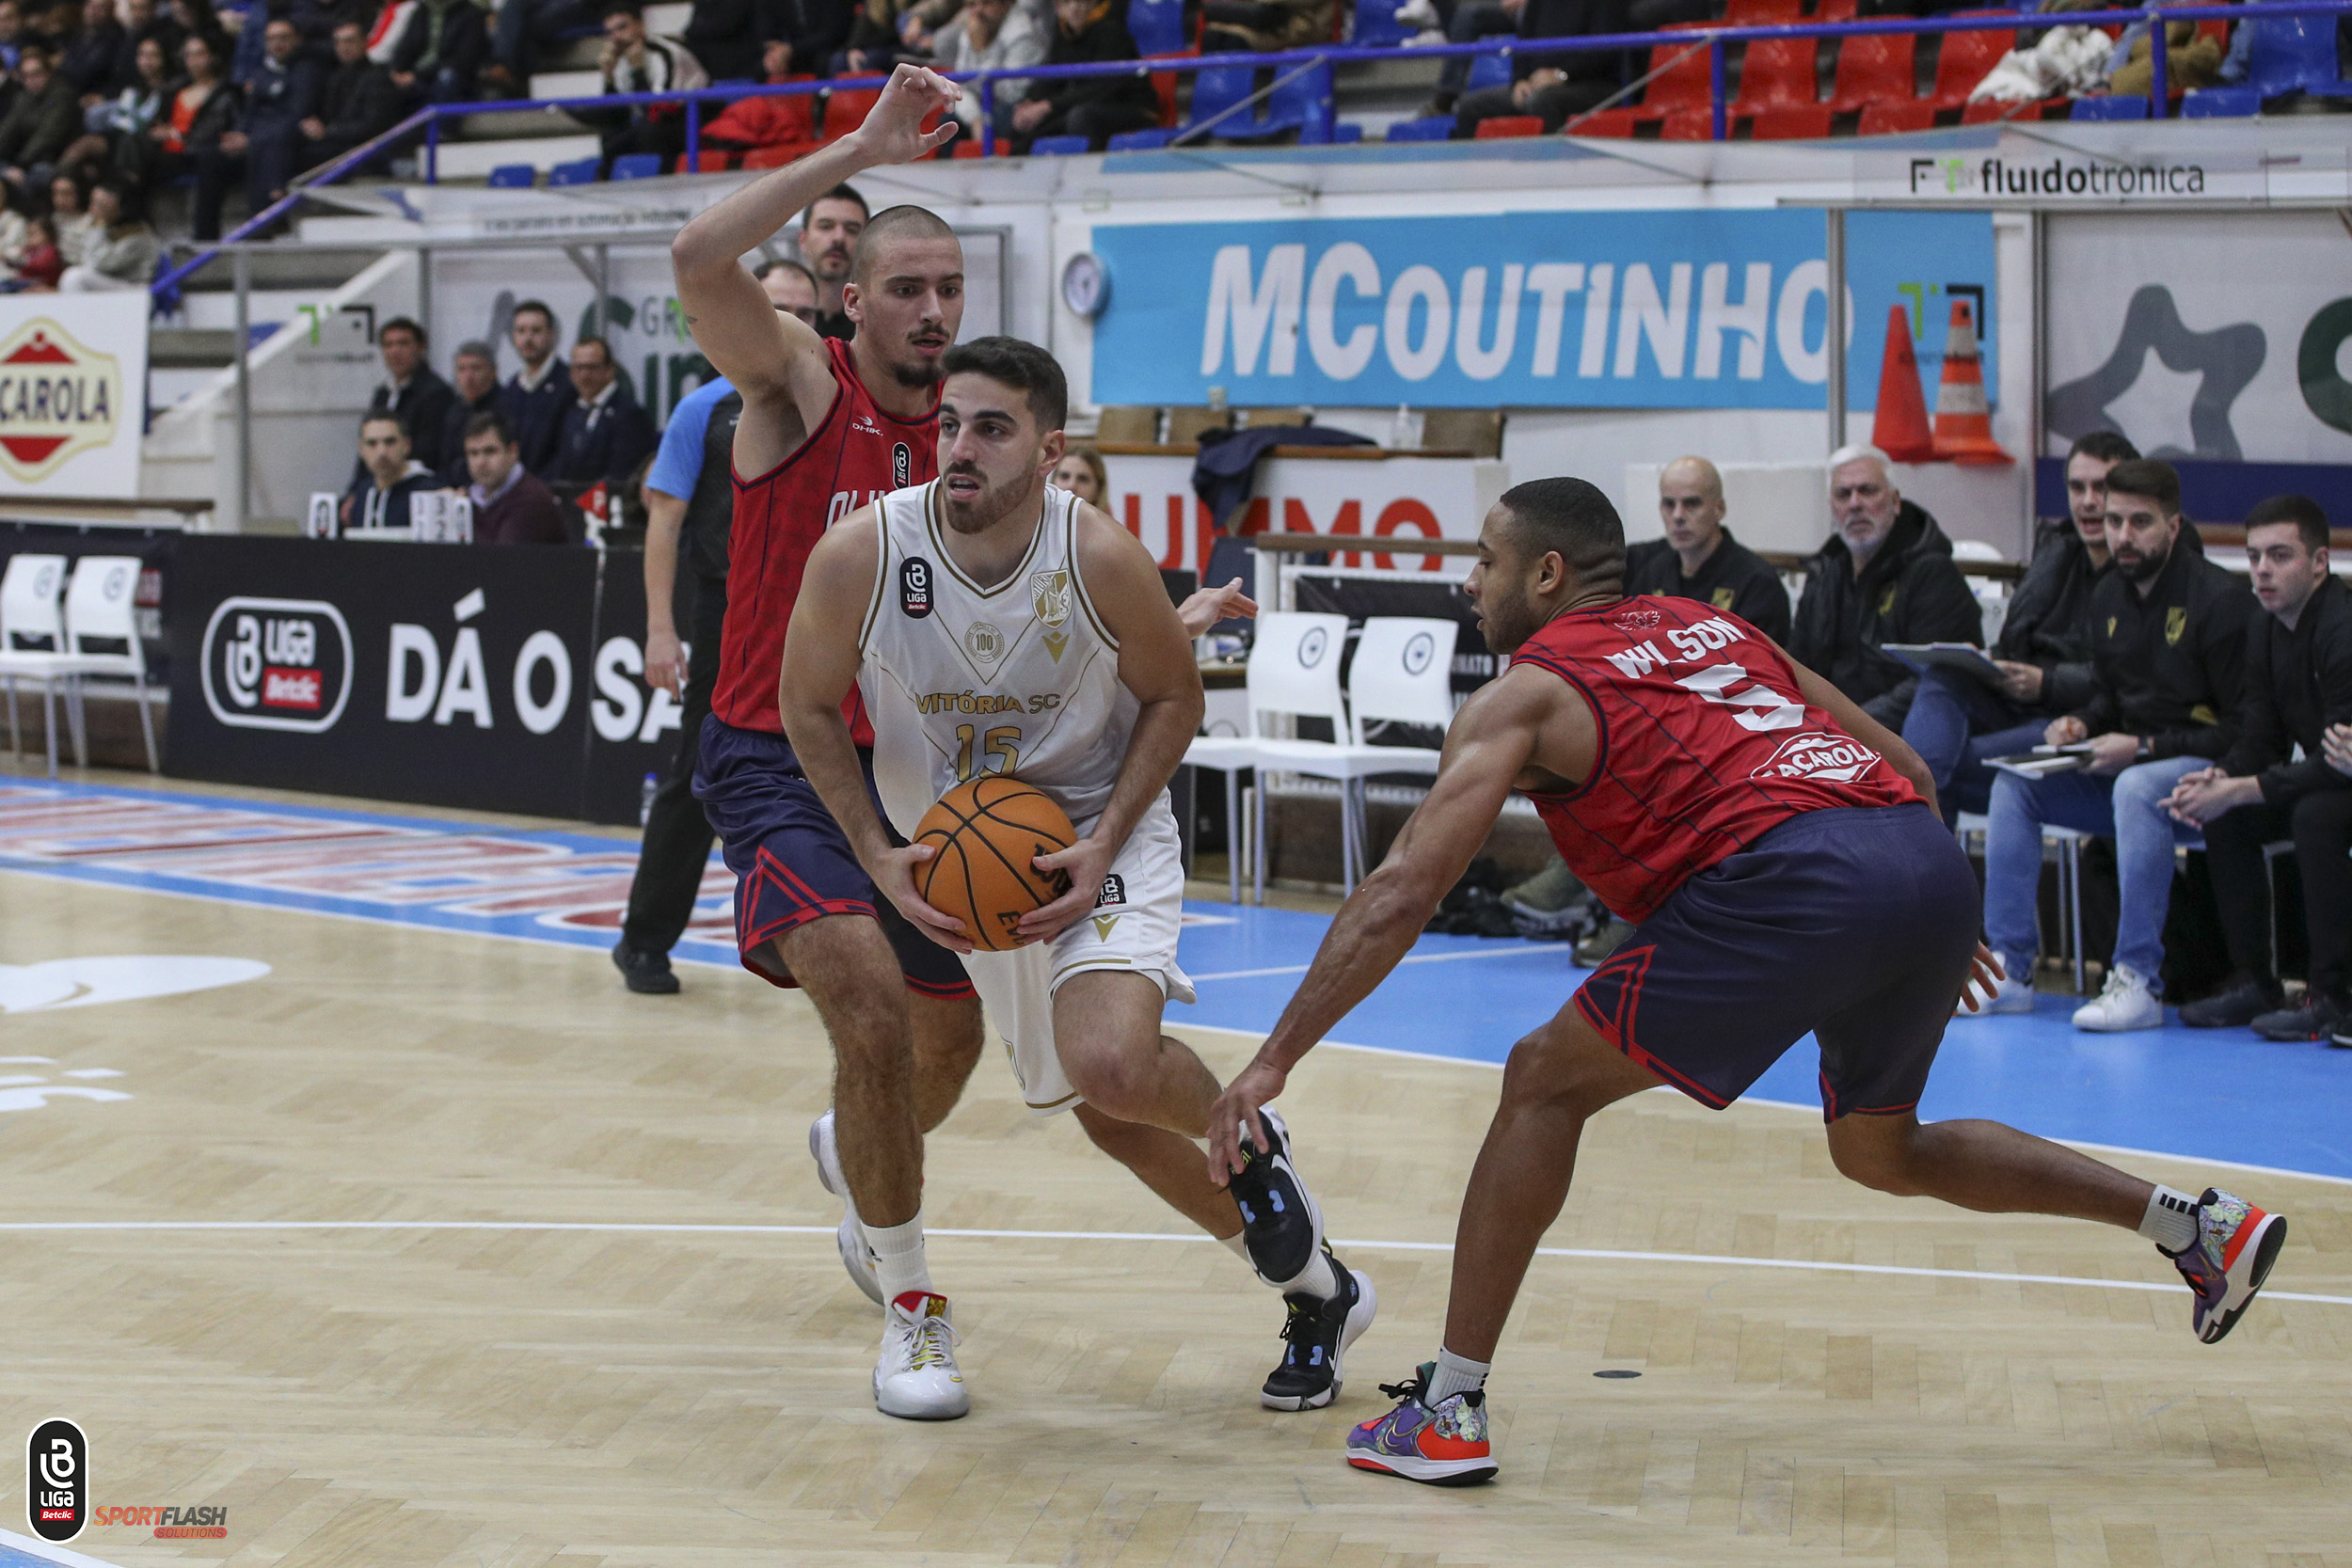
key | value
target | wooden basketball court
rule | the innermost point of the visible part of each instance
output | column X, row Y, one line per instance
column 429, row 1248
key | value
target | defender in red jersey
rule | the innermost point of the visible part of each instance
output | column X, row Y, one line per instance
column 1782, row 852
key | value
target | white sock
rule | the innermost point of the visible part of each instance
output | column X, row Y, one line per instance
column 1234, row 1244
column 1454, row 1374
column 2171, row 1221
column 899, row 1257
column 1318, row 1279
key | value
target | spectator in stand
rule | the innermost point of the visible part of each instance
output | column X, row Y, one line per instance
column 1885, row 576
column 829, row 229
column 117, row 128
column 536, row 397
column 2192, row 60
column 386, row 476
column 15, row 219
column 1087, row 32
column 200, row 131
column 357, row 103
column 89, row 61
column 2299, row 682
column 634, row 61
column 440, row 52
column 1706, row 563
column 120, row 249
column 1462, row 22
column 39, row 125
column 813, row 32
column 723, row 34
column 525, row 32
column 11, row 33
column 1241, row 27
column 141, row 23
column 36, row 265
column 474, row 385
column 283, row 93
column 2168, row 638
column 1958, row 723
column 874, row 44
column 68, row 213
column 1081, row 472
column 197, row 19
column 792, row 289
column 510, row 507
column 1552, row 87
column 412, row 391
column 766, row 120
column 992, row 35
column 605, row 432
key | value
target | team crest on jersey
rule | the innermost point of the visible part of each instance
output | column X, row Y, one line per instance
column 1634, row 621
column 1839, row 758
column 901, row 465
column 2175, row 622
column 1720, row 598
column 915, row 587
column 984, row 641
column 1886, row 600
column 1049, row 595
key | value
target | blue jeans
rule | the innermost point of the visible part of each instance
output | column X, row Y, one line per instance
column 1956, row 723
column 2128, row 808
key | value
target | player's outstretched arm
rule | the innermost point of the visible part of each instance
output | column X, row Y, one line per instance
column 820, row 664
column 1155, row 663
column 1493, row 741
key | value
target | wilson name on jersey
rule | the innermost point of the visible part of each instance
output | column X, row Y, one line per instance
column 1021, row 678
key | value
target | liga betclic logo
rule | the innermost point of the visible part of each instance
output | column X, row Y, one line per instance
column 57, row 1494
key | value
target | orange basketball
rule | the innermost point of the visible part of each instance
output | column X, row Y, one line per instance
column 987, row 832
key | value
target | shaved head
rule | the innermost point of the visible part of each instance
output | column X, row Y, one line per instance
column 889, row 226
column 1693, row 471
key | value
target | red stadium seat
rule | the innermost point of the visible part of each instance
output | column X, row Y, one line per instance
column 1790, row 122
column 1501, row 127
column 846, row 109
column 1688, row 125
column 1689, row 85
column 1874, row 68
column 1164, row 83
column 1965, row 59
column 778, row 155
column 1762, row 13
column 1882, row 120
column 1605, row 122
column 1837, row 10
column 1777, row 75
column 707, row 162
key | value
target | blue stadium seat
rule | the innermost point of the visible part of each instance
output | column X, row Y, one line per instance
column 2294, row 53
column 580, row 172
column 1488, row 71
column 2221, row 104
column 1057, row 147
column 1347, row 131
column 512, row 177
column 1303, row 102
column 636, row 165
column 1158, row 26
column 1217, row 88
column 1143, row 141
column 1376, row 24
column 1436, row 127
column 2110, row 106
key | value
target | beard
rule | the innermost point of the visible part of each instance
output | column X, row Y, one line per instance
column 2140, row 568
column 991, row 505
column 1505, row 619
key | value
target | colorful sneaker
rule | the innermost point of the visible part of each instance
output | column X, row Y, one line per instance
column 1315, row 1338
column 1280, row 1226
column 918, row 1379
column 2236, row 1243
column 1445, row 1446
column 856, row 1256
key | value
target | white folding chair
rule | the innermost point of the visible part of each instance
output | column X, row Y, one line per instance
column 100, row 607
column 33, row 645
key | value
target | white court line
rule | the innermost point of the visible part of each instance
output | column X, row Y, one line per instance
column 1410, row 959
column 1603, row 1253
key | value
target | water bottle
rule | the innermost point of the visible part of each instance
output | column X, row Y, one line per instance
column 644, row 798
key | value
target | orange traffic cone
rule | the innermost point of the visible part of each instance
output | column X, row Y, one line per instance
column 1901, row 429
column 1964, row 425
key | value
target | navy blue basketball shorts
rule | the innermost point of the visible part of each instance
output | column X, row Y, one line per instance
column 1855, row 924
column 792, row 864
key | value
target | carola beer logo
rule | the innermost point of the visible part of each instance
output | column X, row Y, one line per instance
column 57, row 399
column 1816, row 755
column 277, row 664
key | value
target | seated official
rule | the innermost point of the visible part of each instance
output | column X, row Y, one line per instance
column 509, row 506
column 1957, row 723
column 2168, row 634
column 2299, row 682
column 388, row 477
column 475, row 389
column 605, row 434
column 1885, row 576
column 1702, row 559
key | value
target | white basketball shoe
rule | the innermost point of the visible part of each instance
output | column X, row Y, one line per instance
column 917, row 1378
column 856, row 1256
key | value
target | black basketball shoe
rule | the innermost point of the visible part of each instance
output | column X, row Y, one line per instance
column 1315, row 1338
column 1280, row 1226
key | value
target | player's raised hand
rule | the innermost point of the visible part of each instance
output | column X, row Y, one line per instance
column 1087, row 863
column 1209, row 605
column 1237, row 1112
column 893, row 132
column 894, row 875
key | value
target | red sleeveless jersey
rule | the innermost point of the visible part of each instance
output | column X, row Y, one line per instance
column 858, row 454
column 1706, row 745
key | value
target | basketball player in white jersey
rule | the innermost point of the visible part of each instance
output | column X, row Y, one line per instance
column 996, row 623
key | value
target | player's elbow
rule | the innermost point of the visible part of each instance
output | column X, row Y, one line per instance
column 1403, row 893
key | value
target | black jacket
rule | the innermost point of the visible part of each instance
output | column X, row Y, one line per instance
column 1107, row 39
column 538, row 414
column 223, row 112
column 724, row 36
column 463, row 44
column 2171, row 666
column 1735, row 577
column 1910, row 592
column 38, row 125
column 365, row 506
column 279, row 97
column 2298, row 683
column 815, row 29
column 2048, row 623
column 453, row 469
column 89, row 61
column 359, row 103
column 424, row 405
column 165, row 31
column 603, row 443
column 1564, row 19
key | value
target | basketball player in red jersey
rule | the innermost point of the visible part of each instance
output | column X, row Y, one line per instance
column 1782, row 856
column 828, row 426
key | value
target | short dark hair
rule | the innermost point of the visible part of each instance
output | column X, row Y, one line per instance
column 537, row 305
column 491, row 422
column 402, row 323
column 839, row 193
column 622, row 8
column 2150, row 476
column 2309, row 518
column 474, row 348
column 385, row 416
column 903, row 221
column 783, row 263
column 2105, row 446
column 587, row 338
column 1023, row 366
column 1574, row 518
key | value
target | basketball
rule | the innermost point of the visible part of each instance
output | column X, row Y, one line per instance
column 987, row 832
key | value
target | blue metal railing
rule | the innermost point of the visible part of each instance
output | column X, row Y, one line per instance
column 1288, row 63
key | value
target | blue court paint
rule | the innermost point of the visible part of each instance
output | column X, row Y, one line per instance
column 2219, row 1095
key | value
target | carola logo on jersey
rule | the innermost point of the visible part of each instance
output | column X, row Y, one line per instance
column 277, row 664
column 1815, row 755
